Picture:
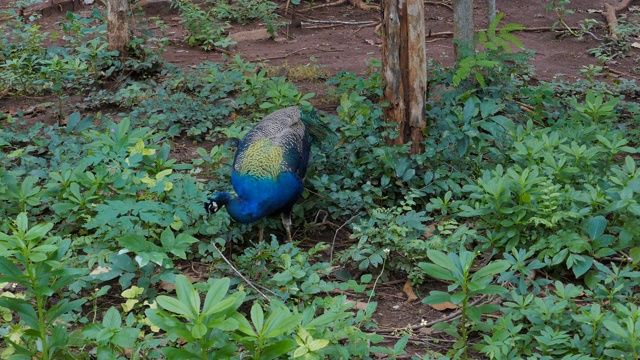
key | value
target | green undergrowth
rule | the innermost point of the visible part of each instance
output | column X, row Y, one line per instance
column 101, row 218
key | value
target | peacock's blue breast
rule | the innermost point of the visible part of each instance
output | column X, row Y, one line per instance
column 263, row 196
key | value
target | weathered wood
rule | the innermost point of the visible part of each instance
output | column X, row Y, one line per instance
column 118, row 26
column 462, row 27
column 404, row 69
column 610, row 15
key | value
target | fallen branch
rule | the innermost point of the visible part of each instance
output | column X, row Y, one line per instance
column 336, row 22
column 238, row 272
column 437, row 3
column 610, row 16
column 532, row 29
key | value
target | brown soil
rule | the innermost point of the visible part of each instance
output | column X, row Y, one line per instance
column 347, row 47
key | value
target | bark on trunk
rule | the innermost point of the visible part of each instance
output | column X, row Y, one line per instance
column 462, row 27
column 491, row 11
column 405, row 69
column 118, row 26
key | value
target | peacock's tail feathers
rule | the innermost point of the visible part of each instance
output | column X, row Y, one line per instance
column 319, row 131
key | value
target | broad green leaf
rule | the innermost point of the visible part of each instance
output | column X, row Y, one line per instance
column 216, row 293
column 25, row 310
column 437, row 297
column 62, row 307
column 257, row 317
column 597, row 224
column 581, row 264
column 436, row 271
column 176, row 306
column 199, row 330
column 112, row 319
column 458, row 297
column 277, row 349
column 126, row 337
column 441, row 259
column 188, row 295
column 493, row 268
column 317, row 344
column 615, row 328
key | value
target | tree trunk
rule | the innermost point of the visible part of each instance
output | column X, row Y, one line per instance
column 491, row 11
column 405, row 69
column 118, row 26
column 462, row 27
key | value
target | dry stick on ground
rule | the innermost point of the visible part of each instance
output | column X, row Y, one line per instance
column 333, row 243
column 357, row 3
column 238, row 272
column 450, row 33
column 610, row 16
column 439, row 4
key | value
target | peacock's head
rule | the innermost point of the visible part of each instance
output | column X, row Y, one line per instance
column 216, row 202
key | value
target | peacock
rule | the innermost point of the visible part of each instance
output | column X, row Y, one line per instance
column 270, row 165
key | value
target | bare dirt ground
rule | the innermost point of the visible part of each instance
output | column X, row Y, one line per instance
column 350, row 47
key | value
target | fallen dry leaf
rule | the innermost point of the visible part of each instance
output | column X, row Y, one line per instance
column 444, row 306
column 359, row 305
column 411, row 296
column 426, row 330
column 100, row 270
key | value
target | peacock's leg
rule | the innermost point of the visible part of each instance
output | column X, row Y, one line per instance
column 286, row 221
column 260, row 231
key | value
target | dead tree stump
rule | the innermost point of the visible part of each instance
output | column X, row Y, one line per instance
column 405, row 69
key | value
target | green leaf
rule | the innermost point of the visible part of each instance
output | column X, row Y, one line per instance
column 62, row 307
column 112, row 319
column 257, row 317
column 188, row 295
column 317, row 344
column 437, row 297
column 441, row 259
column 458, row 297
column 10, row 271
column 25, row 310
column 597, row 224
column 581, row 264
column 436, row 271
column 278, row 348
column 176, row 306
column 615, row 328
column 199, row 330
column 125, row 337
column 493, row 268
column 216, row 293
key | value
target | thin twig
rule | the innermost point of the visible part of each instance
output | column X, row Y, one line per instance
column 238, row 272
column 333, row 243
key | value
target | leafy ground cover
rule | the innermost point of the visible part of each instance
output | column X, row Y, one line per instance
column 521, row 217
